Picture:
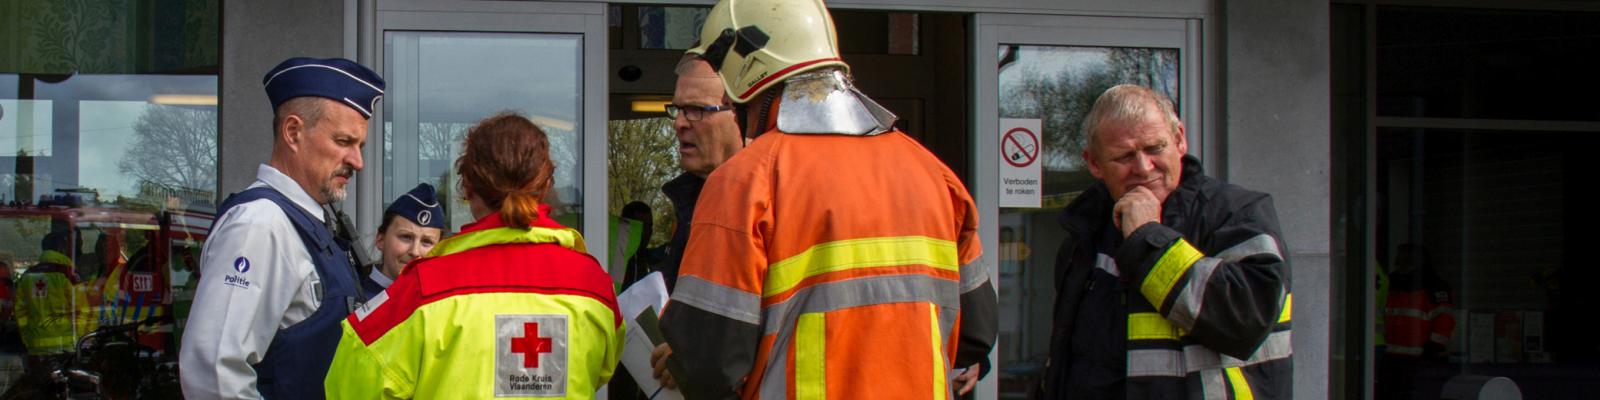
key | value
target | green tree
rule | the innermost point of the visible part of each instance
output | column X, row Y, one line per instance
column 642, row 157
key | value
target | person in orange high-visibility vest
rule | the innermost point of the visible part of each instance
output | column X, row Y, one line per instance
column 512, row 307
column 832, row 257
column 1419, row 319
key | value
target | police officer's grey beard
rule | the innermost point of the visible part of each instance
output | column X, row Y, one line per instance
column 330, row 194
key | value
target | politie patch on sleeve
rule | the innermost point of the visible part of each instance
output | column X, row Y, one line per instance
column 530, row 355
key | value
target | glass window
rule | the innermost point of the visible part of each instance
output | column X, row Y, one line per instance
column 670, row 28
column 1056, row 85
column 1482, row 246
column 1464, row 63
column 108, row 167
column 644, row 156
column 443, row 82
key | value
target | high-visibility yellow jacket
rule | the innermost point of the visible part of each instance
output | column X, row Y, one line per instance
column 52, row 313
column 493, row 312
column 830, row 266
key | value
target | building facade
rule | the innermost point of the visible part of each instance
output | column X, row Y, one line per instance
column 1372, row 123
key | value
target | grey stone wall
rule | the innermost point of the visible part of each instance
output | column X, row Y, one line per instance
column 1275, row 138
column 256, row 36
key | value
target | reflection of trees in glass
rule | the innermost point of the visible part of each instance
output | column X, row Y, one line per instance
column 642, row 157
column 1059, row 84
column 174, row 148
column 670, row 27
column 435, row 139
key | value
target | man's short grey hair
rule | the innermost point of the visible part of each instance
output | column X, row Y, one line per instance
column 309, row 108
column 1123, row 104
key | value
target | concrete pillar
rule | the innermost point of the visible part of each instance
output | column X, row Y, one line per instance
column 1275, row 138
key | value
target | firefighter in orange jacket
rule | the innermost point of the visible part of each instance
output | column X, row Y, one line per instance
column 1418, row 320
column 510, row 307
column 832, row 257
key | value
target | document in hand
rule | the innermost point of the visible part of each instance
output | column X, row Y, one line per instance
column 641, row 304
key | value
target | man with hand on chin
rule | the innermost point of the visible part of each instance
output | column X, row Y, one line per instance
column 1170, row 284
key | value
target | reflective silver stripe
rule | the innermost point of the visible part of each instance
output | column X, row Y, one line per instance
column 857, row 292
column 1214, row 386
column 780, row 318
column 1406, row 312
column 1437, row 311
column 1187, row 307
column 947, row 324
column 733, row 303
column 1276, row 347
column 1107, row 264
column 973, row 275
column 775, row 381
column 1408, row 350
column 1261, row 244
column 1440, row 339
column 1156, row 362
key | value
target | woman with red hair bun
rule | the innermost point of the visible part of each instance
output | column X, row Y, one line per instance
column 512, row 306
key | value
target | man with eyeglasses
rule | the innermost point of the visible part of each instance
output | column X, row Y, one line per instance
column 708, row 135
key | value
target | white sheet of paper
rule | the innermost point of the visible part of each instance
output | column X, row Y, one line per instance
column 649, row 293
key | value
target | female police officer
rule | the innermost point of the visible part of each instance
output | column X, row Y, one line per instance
column 411, row 226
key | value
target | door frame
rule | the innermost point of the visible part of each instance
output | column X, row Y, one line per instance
column 991, row 30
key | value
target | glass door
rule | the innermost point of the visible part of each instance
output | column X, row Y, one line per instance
column 1037, row 77
column 451, row 64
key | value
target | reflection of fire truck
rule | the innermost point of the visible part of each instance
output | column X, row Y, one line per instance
column 131, row 264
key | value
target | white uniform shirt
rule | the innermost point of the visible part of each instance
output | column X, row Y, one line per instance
column 378, row 277
column 256, row 278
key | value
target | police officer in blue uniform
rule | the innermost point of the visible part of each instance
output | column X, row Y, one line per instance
column 411, row 226
column 275, row 281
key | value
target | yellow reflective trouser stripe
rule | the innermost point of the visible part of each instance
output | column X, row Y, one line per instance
column 1241, row 389
column 1288, row 303
column 566, row 237
column 1168, row 269
column 810, row 371
column 939, row 391
column 860, row 253
column 52, row 343
column 1146, row 326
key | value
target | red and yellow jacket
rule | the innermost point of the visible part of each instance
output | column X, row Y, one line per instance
column 52, row 311
column 492, row 312
column 830, row 266
column 1418, row 315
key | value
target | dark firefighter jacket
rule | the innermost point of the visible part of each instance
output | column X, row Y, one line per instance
column 1196, row 307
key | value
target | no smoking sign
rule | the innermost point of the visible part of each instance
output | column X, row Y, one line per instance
column 1020, row 147
column 1021, row 184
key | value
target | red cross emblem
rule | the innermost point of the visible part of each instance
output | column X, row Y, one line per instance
column 530, row 345
column 39, row 288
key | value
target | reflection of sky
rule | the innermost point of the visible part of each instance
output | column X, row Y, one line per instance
column 670, row 27
column 8, row 86
column 462, row 77
column 467, row 76
column 1049, row 61
column 109, row 126
column 1077, row 63
column 92, row 118
column 24, row 125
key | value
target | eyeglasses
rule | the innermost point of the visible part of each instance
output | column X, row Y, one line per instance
column 693, row 113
